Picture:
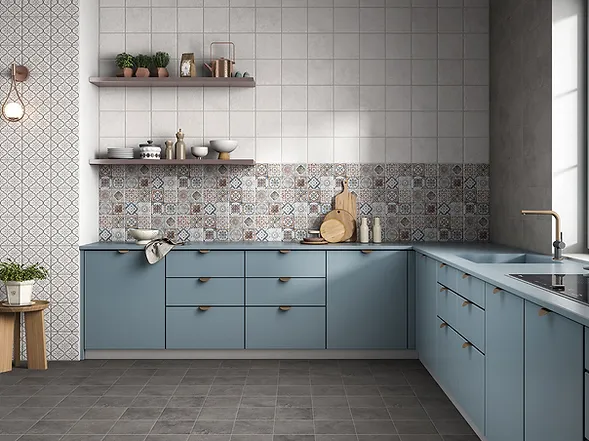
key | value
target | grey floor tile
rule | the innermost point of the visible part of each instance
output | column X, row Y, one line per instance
column 197, row 381
column 13, row 401
column 453, row 427
column 191, row 391
column 66, row 413
column 130, row 381
column 57, row 390
column 90, row 390
column 336, row 427
column 170, row 381
column 362, row 390
column 42, row 401
column 418, row 427
column 379, row 438
column 263, row 372
column 121, row 438
column 31, row 437
column 157, row 437
column 253, row 427
column 239, row 437
column 5, row 411
column 407, row 413
column 229, row 380
column 332, row 413
column 213, row 427
column 461, row 438
column 79, row 401
column 176, row 401
column 260, row 401
column 51, row 427
column 194, row 437
column 293, row 438
column 92, row 427
column 69, row 437
column 256, row 413
column 28, row 413
column 157, row 391
column 112, row 401
column 294, row 380
column 375, row 427
column 172, row 427
column 144, row 401
column 122, row 391
column 218, row 413
column 402, row 401
column 142, row 413
column 180, row 413
column 360, row 401
column 304, row 401
column 9, row 437
column 336, row 438
column 222, row 401
column 370, row 413
column 424, row 438
column 225, row 390
column 132, row 427
column 396, row 391
column 261, row 381
column 327, row 390
column 294, row 391
column 104, row 413
column 294, row 413
column 330, row 402
column 260, row 391
column 359, row 380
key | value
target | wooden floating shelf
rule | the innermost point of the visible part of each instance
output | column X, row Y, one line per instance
column 172, row 162
column 172, row 82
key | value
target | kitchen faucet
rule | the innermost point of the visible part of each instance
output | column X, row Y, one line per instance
column 558, row 244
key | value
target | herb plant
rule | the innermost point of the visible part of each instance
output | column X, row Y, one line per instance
column 11, row 271
column 125, row 60
column 161, row 59
column 143, row 61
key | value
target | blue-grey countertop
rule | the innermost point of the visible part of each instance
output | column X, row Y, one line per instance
column 495, row 274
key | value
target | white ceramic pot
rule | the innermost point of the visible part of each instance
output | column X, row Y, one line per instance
column 19, row 293
column 200, row 151
column 143, row 236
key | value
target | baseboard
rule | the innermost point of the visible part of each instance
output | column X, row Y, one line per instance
column 167, row 354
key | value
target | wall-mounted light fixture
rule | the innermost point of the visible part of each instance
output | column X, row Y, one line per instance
column 13, row 108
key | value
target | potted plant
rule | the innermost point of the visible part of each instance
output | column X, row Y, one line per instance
column 125, row 62
column 143, row 63
column 161, row 61
column 19, row 280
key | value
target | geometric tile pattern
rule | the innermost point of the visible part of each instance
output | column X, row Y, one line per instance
column 223, row 400
column 39, row 159
column 280, row 202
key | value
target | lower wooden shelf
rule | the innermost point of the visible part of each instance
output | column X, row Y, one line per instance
column 172, row 162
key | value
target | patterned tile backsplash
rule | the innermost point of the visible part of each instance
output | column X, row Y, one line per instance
column 280, row 202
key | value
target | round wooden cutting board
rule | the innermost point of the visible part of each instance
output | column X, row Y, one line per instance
column 345, row 218
column 333, row 230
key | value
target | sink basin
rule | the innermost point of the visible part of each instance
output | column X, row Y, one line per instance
column 507, row 258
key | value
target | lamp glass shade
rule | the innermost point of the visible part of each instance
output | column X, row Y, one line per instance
column 13, row 111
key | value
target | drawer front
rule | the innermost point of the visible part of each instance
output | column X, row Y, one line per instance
column 587, row 348
column 285, row 264
column 446, row 305
column 204, row 291
column 471, row 288
column 205, row 263
column 586, row 405
column 285, row 291
column 470, row 322
column 447, row 276
column 301, row 327
column 219, row 327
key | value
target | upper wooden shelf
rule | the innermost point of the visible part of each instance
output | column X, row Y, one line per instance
column 172, row 161
column 172, row 82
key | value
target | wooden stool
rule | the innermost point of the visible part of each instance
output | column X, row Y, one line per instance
column 35, row 335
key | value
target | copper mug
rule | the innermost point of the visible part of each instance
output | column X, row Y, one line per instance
column 223, row 67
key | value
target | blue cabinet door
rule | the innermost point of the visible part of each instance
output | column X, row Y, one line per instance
column 124, row 301
column 367, row 300
column 444, row 356
column 504, row 357
column 553, row 372
column 426, row 290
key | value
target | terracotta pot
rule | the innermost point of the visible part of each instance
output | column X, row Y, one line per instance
column 128, row 72
column 162, row 72
column 142, row 72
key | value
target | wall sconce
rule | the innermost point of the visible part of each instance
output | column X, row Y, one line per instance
column 13, row 109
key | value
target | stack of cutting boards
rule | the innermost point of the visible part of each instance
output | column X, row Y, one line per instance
column 339, row 225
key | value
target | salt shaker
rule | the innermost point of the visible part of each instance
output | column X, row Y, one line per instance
column 169, row 149
column 180, row 146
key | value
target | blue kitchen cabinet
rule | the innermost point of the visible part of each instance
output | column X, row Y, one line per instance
column 553, row 372
column 426, row 290
column 444, row 374
column 504, row 356
column 124, row 301
column 367, row 299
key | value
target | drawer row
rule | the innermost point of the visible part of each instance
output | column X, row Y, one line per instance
column 462, row 283
column 233, row 327
column 238, row 291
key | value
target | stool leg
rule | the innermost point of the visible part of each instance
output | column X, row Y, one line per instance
column 17, row 339
column 35, row 335
column 6, row 337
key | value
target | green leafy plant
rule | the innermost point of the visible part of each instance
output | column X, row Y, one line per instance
column 125, row 60
column 10, row 271
column 161, row 59
column 142, row 60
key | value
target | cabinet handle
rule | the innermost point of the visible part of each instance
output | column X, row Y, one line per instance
column 366, row 251
column 497, row 290
column 466, row 345
column 284, row 279
column 443, row 325
column 204, row 308
column 443, row 289
column 123, row 251
column 442, row 265
column 543, row 311
column 204, row 279
column 204, row 251
column 465, row 276
column 284, row 251
column 284, row 308
column 466, row 303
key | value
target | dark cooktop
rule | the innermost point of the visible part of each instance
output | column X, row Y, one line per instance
column 571, row 286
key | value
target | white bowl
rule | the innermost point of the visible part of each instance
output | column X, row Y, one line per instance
column 143, row 236
column 200, row 151
column 223, row 145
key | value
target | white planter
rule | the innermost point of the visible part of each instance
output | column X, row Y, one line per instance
column 19, row 293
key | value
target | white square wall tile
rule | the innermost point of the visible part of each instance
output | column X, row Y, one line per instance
column 346, row 150
column 450, row 46
column 138, row 43
column 424, row 124
column 476, row 124
column 269, row 150
column 372, row 46
column 372, row 20
column 424, row 98
column 138, row 19
column 347, row 124
column 424, row 19
column 216, row 98
column 424, row 150
column 294, row 124
column 347, row 98
column 450, row 124
column 268, row 20
column 346, row 20
column 111, row 45
column 372, row 97
column 138, row 124
column 398, row 72
column 398, row 124
column 242, row 19
column 450, row 19
column 320, row 150
column 112, row 124
column 373, row 72
column 164, row 20
column 163, row 124
column 320, row 72
column 294, row 20
column 190, row 98
column 294, row 46
column 216, row 124
column 373, row 124
column 191, row 123
column 294, row 150
column 476, row 20
column 294, row 97
column 268, row 46
column 268, row 97
column 320, row 46
column 476, row 150
column 320, row 97
column 112, row 20
column 398, row 19
column 398, row 46
column 242, row 124
column 165, row 43
column 372, row 150
column 476, row 98
column 347, row 72
column 216, row 20
column 190, row 19
column 450, row 98
column 112, row 99
column 268, row 72
column 450, row 150
column 294, row 72
column 346, row 46
column 241, row 99
column 268, row 124
column 320, row 124
column 398, row 150
column 320, row 20
column 163, row 99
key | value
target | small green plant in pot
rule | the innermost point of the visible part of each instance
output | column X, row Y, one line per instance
column 19, row 280
column 125, row 62
column 143, row 63
column 161, row 61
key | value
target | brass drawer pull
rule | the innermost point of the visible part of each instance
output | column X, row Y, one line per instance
column 204, row 279
column 543, row 311
column 284, row 251
column 497, row 290
column 466, row 303
column 443, row 289
column 443, row 325
column 204, row 251
column 465, row 276
column 284, row 308
column 366, row 251
column 204, row 308
column 284, row 279
column 442, row 265
column 123, row 251
column 466, row 345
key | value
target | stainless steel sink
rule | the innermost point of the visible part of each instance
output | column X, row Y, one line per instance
column 507, row 258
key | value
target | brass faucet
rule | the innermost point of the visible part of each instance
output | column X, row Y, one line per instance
column 558, row 244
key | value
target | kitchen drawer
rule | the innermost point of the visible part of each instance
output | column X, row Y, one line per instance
column 587, row 349
column 586, row 404
column 446, row 309
column 205, row 263
column 204, row 291
column 447, row 276
column 301, row 327
column 285, row 263
column 220, row 327
column 464, row 316
column 285, row 291
column 471, row 288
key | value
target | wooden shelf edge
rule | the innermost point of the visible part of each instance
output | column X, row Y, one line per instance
column 172, row 82
column 172, row 162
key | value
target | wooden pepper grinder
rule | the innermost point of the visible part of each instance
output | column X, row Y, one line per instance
column 180, row 146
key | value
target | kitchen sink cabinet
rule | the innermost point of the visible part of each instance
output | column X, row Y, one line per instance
column 553, row 373
column 367, row 299
column 124, row 301
column 426, row 289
